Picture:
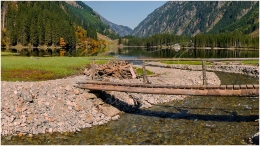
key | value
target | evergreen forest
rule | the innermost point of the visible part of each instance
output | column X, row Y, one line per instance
column 39, row 23
column 234, row 39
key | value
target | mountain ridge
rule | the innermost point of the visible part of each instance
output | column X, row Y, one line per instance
column 191, row 18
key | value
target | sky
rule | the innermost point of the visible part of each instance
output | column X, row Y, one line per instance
column 127, row 13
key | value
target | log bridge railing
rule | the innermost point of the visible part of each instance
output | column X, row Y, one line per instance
column 200, row 90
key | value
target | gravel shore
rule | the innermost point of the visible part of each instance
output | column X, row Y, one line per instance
column 232, row 68
column 58, row 106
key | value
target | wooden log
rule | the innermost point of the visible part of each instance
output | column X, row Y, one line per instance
column 132, row 72
column 204, row 72
column 145, row 79
column 169, row 91
column 201, row 87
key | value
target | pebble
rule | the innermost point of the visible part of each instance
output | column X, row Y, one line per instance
column 39, row 107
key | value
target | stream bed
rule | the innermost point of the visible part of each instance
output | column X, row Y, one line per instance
column 195, row 120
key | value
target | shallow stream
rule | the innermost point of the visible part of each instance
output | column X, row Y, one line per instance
column 195, row 120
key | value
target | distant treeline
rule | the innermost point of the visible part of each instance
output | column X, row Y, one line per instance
column 155, row 40
column 222, row 40
column 226, row 40
column 45, row 22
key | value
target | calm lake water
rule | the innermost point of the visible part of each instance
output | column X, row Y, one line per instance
column 188, row 53
column 195, row 120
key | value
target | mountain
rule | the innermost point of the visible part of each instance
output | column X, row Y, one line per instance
column 194, row 17
column 45, row 22
column 119, row 29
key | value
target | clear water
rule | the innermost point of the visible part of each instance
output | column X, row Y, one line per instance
column 188, row 53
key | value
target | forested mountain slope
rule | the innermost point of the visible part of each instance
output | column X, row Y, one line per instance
column 195, row 17
column 45, row 22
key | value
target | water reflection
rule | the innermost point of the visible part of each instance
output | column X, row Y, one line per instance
column 188, row 52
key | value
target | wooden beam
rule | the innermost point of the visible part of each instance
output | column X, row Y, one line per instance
column 172, row 91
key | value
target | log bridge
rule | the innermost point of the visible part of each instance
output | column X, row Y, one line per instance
column 195, row 90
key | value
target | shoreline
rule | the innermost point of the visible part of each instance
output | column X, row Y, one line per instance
column 239, row 69
column 57, row 106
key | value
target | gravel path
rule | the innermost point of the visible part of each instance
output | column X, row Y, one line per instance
column 58, row 106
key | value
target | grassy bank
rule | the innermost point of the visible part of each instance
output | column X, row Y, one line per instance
column 140, row 72
column 16, row 68
column 251, row 62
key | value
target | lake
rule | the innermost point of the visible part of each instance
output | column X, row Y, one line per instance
column 187, row 53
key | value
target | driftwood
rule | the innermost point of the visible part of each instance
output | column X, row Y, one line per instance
column 113, row 68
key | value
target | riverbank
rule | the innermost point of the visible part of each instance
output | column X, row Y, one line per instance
column 233, row 68
column 58, row 106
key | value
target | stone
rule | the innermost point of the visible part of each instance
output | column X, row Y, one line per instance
column 97, row 102
column 85, row 104
column 7, row 111
column 116, row 117
column 47, row 103
column 76, row 92
column 30, row 118
column 68, row 88
column 88, row 95
column 59, row 107
column 88, row 125
column 18, row 121
column 151, row 100
column 50, row 130
column 24, row 109
column 52, row 119
column 78, row 108
column 101, row 122
column 108, row 110
column 89, row 118
column 69, row 102
column 95, row 123
column 22, row 125
column 27, row 96
column 11, row 118
column 129, row 100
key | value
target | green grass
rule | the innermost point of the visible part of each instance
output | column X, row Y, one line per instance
column 9, row 54
column 139, row 71
column 17, row 68
column 186, row 62
column 250, row 62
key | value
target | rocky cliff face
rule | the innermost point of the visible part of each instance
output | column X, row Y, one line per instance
column 191, row 18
